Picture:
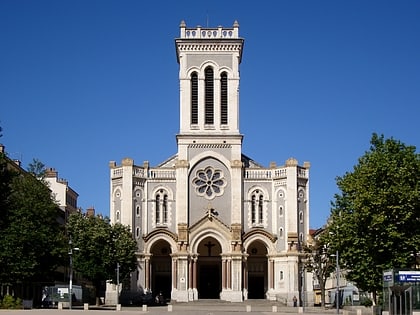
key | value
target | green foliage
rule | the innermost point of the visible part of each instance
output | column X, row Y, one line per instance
column 366, row 302
column 6, row 176
column 31, row 240
column 9, row 302
column 101, row 246
column 37, row 168
column 374, row 222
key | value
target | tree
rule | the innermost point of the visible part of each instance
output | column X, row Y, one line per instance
column 319, row 260
column 101, row 247
column 375, row 220
column 6, row 176
column 31, row 240
column 37, row 168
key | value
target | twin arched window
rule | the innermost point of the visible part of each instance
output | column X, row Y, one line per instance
column 161, row 208
column 257, row 207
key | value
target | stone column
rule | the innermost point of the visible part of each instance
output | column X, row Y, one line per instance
column 223, row 273
column 271, row 274
column 147, row 272
column 174, row 272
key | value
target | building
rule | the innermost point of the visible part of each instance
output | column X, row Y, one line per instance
column 210, row 222
column 62, row 193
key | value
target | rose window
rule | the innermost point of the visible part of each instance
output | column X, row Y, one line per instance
column 209, row 182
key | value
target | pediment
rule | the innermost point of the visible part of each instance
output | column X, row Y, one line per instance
column 210, row 221
column 170, row 162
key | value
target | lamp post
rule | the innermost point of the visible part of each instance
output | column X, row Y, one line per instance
column 337, row 299
column 71, row 272
column 118, row 282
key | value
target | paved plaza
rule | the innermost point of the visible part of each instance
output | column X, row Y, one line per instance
column 210, row 307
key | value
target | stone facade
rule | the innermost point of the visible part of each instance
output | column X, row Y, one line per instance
column 210, row 222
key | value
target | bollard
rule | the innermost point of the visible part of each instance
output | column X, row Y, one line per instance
column 169, row 308
column 60, row 305
column 118, row 307
column 359, row 311
column 274, row 309
column 144, row 307
column 248, row 308
column 300, row 310
column 85, row 306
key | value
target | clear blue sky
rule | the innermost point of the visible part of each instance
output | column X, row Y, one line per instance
column 86, row 82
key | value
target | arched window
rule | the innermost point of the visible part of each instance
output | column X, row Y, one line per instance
column 161, row 207
column 157, row 209
column 260, row 209
column 194, row 98
column 253, row 210
column 209, row 96
column 223, row 99
column 257, row 208
column 165, row 209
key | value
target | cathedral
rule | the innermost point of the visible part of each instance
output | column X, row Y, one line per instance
column 210, row 222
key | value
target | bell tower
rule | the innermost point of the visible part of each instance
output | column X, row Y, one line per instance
column 209, row 61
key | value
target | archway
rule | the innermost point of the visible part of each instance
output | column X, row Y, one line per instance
column 161, row 268
column 257, row 270
column 209, row 268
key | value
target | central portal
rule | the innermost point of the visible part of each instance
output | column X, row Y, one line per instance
column 209, row 269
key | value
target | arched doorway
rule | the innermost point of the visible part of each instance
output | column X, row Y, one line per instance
column 209, row 269
column 161, row 268
column 257, row 270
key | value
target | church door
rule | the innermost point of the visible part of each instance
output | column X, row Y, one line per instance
column 209, row 267
column 257, row 270
column 161, row 269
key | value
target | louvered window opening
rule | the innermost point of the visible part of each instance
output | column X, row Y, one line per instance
column 223, row 99
column 209, row 97
column 194, row 98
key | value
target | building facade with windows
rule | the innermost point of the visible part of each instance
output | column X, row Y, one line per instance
column 62, row 193
column 210, row 222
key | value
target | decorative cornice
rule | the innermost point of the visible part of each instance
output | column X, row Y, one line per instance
column 209, row 146
column 209, row 47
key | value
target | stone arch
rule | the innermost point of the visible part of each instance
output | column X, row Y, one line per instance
column 160, row 236
column 217, row 235
column 205, row 155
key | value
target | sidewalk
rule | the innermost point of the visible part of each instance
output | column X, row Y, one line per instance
column 202, row 307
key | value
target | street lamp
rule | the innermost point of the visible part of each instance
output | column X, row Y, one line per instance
column 71, row 272
column 337, row 299
column 118, row 282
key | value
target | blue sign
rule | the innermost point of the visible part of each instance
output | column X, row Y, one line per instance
column 409, row 276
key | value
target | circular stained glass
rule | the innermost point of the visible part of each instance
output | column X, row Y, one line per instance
column 209, row 182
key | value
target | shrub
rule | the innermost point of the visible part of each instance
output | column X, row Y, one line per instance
column 366, row 302
column 10, row 302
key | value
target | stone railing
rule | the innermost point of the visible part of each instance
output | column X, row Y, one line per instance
column 209, row 33
column 140, row 172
